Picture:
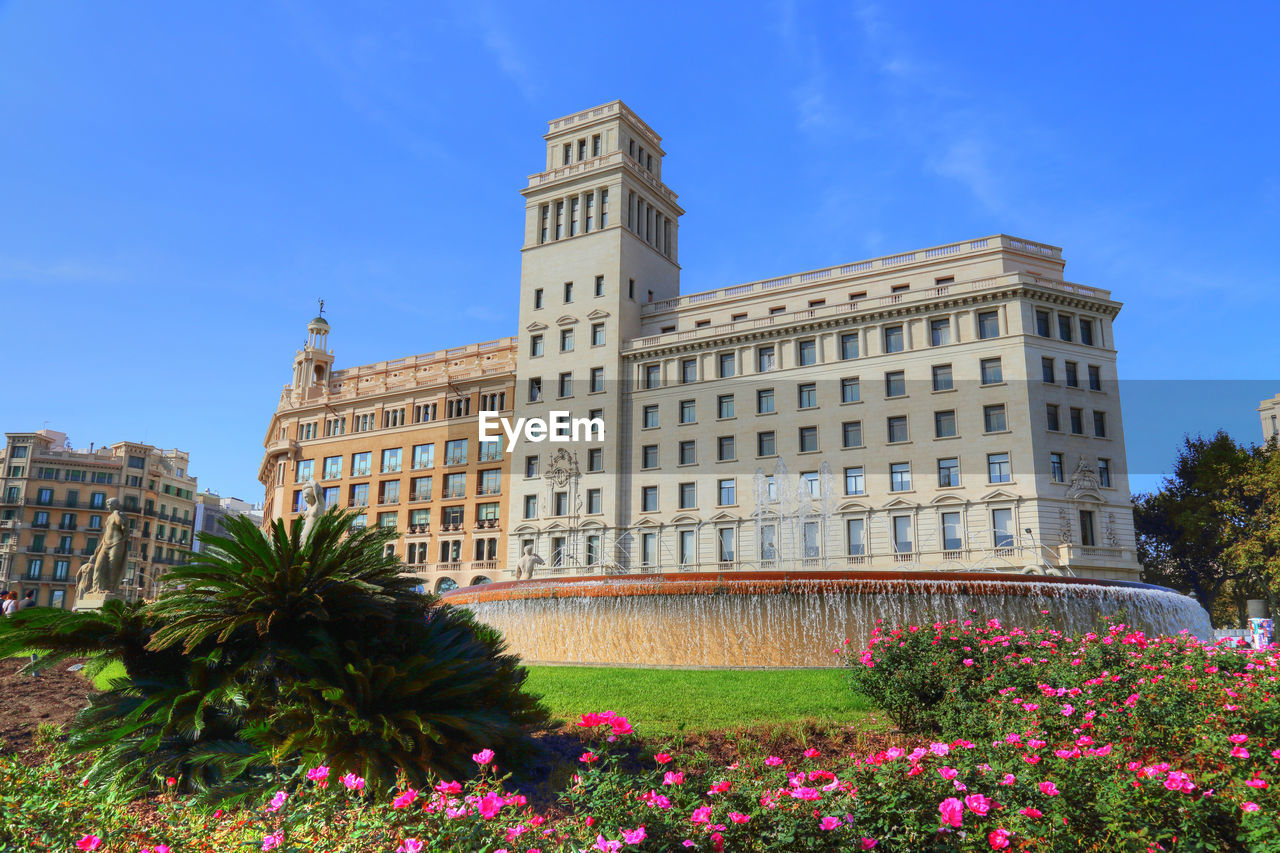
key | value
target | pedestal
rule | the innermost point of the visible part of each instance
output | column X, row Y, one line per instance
column 95, row 600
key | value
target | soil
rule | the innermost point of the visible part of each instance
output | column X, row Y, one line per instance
column 53, row 697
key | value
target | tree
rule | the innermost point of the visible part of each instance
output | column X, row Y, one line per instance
column 1251, row 511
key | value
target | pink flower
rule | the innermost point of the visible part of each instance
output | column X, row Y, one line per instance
column 866, row 843
column 89, row 842
column 978, row 804
column 773, row 761
column 998, row 838
column 404, row 799
column 607, row 846
column 739, row 817
column 588, row 757
column 662, row 758
column 277, row 801
column 409, row 845
column 319, row 774
column 1067, row 711
column 633, row 836
column 1179, row 781
column 673, row 778
column 967, row 661
column 353, row 782
column 161, row 848
column 1048, row 789
column 620, row 726
column 1275, row 753
column 483, row 757
column 1239, row 752
column 273, row 840
column 811, row 753
column 449, row 787
column 171, row 781
column 701, row 815
column 952, row 811
column 829, row 823
column 1008, row 779
column 720, row 787
column 947, row 773
column 1031, row 812
column 490, row 804
column 1237, row 738
column 1256, row 782
column 1249, row 806
column 939, row 749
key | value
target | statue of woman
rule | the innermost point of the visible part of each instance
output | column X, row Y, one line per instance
column 105, row 569
column 314, row 501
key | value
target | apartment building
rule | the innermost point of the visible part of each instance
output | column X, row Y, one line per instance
column 1269, row 412
column 53, row 504
column 212, row 508
column 399, row 442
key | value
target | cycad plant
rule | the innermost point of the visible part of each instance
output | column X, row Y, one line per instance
column 266, row 652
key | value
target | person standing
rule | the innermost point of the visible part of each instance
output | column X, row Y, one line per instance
column 10, row 605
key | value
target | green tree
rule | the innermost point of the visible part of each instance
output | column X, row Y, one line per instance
column 1251, row 512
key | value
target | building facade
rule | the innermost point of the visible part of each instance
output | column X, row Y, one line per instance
column 53, row 504
column 953, row 407
column 212, row 508
column 1269, row 412
column 398, row 441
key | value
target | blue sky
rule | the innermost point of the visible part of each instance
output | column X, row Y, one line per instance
column 180, row 182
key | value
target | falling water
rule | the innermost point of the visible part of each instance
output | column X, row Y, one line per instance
column 748, row 622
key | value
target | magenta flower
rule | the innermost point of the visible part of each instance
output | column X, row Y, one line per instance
column 867, row 843
column 701, row 815
column 998, row 838
column 811, row 753
column 404, row 799
column 490, row 804
column 353, row 782
column 319, row 774
column 952, row 811
column 483, row 757
column 588, row 757
column 1048, row 789
column 1256, row 782
column 1239, row 738
column 634, row 836
column 277, row 801
column 409, row 845
column 673, row 777
column 1008, row 779
column 773, row 761
column 89, row 842
column 606, row 845
column 967, row 661
column 662, row 758
column 829, row 823
column 978, row 804
column 1239, row 752
column 1249, row 806
column 739, row 817
column 273, row 840
column 1031, row 812
column 947, row 773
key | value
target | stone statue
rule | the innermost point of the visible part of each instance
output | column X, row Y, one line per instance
column 105, row 569
column 525, row 565
column 314, row 500
column 1083, row 479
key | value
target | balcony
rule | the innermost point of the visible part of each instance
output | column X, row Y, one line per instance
column 13, row 500
column 490, row 456
column 451, row 528
column 489, row 490
column 454, row 494
column 40, row 525
column 86, row 552
column 67, row 552
column 455, row 460
column 36, row 549
column 418, row 529
column 71, row 526
column 387, row 500
column 359, row 502
column 71, row 503
column 419, row 496
column 486, row 524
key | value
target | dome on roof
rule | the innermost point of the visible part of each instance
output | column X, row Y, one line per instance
column 319, row 321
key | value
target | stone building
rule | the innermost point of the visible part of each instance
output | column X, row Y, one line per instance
column 1269, row 412
column 212, row 508
column 53, row 503
column 398, row 441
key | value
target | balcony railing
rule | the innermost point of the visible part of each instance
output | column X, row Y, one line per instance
column 486, row 523
column 64, row 551
column 419, row 496
column 415, row 529
column 452, row 493
column 40, row 525
column 36, row 549
column 489, row 490
column 384, row 500
column 71, row 526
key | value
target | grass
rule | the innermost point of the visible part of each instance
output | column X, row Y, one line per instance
column 115, row 669
column 670, row 701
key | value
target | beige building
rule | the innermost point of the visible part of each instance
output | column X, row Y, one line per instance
column 398, row 441
column 53, row 504
column 1269, row 411
column 951, row 407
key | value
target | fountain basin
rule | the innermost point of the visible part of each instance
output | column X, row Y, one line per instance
column 791, row 619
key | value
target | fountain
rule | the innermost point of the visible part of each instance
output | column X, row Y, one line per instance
column 792, row 609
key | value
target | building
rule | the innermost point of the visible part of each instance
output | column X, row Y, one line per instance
column 1269, row 411
column 53, row 502
column 399, row 442
column 953, row 407
column 212, row 508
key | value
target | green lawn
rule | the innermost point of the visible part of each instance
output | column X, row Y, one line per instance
column 667, row 701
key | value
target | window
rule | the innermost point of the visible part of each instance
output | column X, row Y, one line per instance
column 988, row 324
column 765, row 359
column 597, row 334
column 420, row 489
column 568, row 292
column 1100, row 424
column 849, row 345
column 652, row 375
column 688, row 553
column 1086, row 332
column 855, row 536
column 361, row 464
column 1086, row 529
column 391, row 461
column 725, row 448
column 993, row 419
column 939, row 332
column 537, row 298
column 724, row 538
column 1073, row 378
column 1042, row 324
column 455, row 485
column 1077, row 422
column 455, row 452
column 424, row 455
column 727, row 492
column 952, row 540
column 1046, row 370
column 564, row 385
column 689, row 370
column 854, row 484
column 687, row 452
column 850, row 392
column 902, row 534
column 599, row 291
column 998, row 470
column 595, row 460
column 1104, row 473
column 535, row 389
column 897, row 428
column 1055, row 468
column 688, row 412
column 688, row 496
column 650, row 417
column 648, row 548
column 766, row 444
column 900, row 477
column 304, row 471
column 530, row 506
column 893, row 339
column 728, row 365
column 724, row 406
column 992, row 374
column 806, row 352
column 595, row 383
column 948, row 472
column 807, row 396
column 764, row 401
column 560, row 503
column 649, row 499
column 1051, row 417
column 1002, row 528
column 808, row 439
column 1064, row 327
column 98, row 500
column 1095, row 378
column 359, row 495
column 851, row 432
column 332, row 467
column 566, row 340
column 593, row 501
column 944, row 424
column 649, row 456
column 895, row 384
column 942, row 377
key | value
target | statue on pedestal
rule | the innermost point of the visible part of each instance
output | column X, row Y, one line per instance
column 314, row 500
column 526, row 564
column 99, row 579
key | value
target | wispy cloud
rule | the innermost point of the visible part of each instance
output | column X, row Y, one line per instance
column 811, row 95
column 495, row 35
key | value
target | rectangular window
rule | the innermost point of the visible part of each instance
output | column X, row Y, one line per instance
column 361, row 464
column 808, row 439
column 535, row 346
column 332, row 467
column 850, row 391
column 894, row 340
column 455, row 485
column 304, row 471
column 948, row 472
column 724, row 406
column 939, row 332
column 944, row 424
column 897, row 428
column 688, row 496
column 992, row 374
column 420, row 489
column 1055, row 468
column 988, row 324
column 851, row 432
column 391, row 461
column 596, row 380
column 649, row 499
column 455, row 452
column 560, row 503
column 900, row 477
column 895, row 384
column 728, row 492
column 537, row 298
column 993, row 419
column 765, row 359
column 854, row 484
column 599, row 291
column 849, row 345
column 359, row 495
column 1087, row 537
column 724, row 538
column 1077, row 422
column 1046, row 370
column 1095, row 378
column 1086, row 332
column 597, row 334
column 725, row 448
column 1100, row 424
column 566, row 340
column 593, row 501
column 689, row 370
column 1051, row 417
column 649, row 456
column 766, row 444
column 1002, row 528
column 424, row 455
column 1073, row 377
column 687, row 551
column 648, row 548
column 942, row 377
column 952, row 539
column 1043, row 324
column 595, row 460
column 1104, row 473
column 998, row 469
column 688, row 412
column 728, row 365
column 764, row 401
column 811, row 539
column 687, row 453
column 535, row 389
column 389, row 492
column 855, row 536
column 568, row 292
column 806, row 353
column 902, row 534
column 565, row 385
column 652, row 375
column 650, row 417
column 1064, row 327
column 807, row 396
column 530, row 506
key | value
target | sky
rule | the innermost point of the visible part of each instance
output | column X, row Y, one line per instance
column 179, row 183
